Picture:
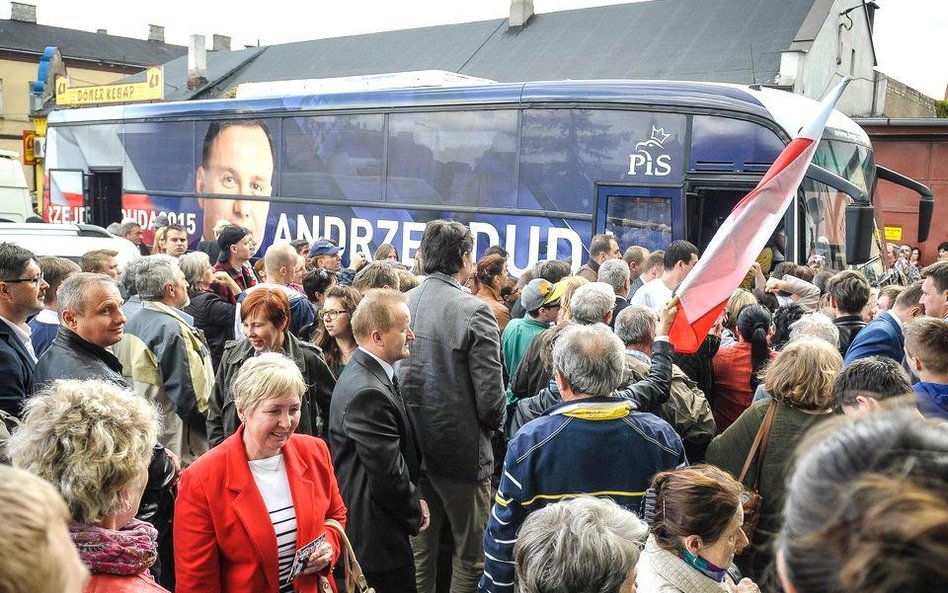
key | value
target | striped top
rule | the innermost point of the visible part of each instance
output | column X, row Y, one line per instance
column 270, row 476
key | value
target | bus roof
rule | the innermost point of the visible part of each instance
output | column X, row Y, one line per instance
column 782, row 107
column 631, row 92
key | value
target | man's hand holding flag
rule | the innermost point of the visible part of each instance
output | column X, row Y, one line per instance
column 733, row 249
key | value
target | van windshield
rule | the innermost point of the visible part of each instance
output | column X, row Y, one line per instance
column 11, row 173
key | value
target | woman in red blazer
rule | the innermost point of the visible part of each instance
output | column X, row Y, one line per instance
column 246, row 507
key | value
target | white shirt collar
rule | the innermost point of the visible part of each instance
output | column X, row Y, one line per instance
column 898, row 321
column 23, row 333
column 638, row 354
column 389, row 370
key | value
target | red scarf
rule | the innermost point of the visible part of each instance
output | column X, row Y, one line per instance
column 126, row 551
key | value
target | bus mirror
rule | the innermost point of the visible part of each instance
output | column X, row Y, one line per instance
column 925, row 209
column 926, row 202
column 860, row 225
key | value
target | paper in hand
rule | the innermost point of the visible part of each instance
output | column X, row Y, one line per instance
column 302, row 557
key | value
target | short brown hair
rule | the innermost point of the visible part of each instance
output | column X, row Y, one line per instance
column 850, row 290
column 699, row 500
column 892, row 293
column 654, row 259
column 55, row 270
column 28, row 507
column 377, row 274
column 94, row 261
column 926, row 338
column 635, row 255
column 270, row 303
column 803, row 373
column 489, row 266
column 406, row 280
column 600, row 244
column 375, row 312
column 907, row 297
column 803, row 273
column 938, row 272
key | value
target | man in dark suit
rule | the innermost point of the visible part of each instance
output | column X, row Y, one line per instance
column 883, row 335
column 374, row 449
column 22, row 289
column 453, row 381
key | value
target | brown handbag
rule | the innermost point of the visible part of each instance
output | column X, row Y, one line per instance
column 354, row 580
column 751, row 499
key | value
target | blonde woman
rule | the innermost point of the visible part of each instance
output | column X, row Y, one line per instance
column 93, row 441
column 800, row 379
column 572, row 283
column 246, row 507
column 36, row 553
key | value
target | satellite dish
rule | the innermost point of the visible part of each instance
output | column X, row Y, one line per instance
column 42, row 89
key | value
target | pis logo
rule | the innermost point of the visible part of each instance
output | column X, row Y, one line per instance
column 644, row 161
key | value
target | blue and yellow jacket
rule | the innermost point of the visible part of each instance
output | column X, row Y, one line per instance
column 597, row 446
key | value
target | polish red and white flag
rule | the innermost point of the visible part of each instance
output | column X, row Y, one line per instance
column 736, row 244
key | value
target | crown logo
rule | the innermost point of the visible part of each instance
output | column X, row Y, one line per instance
column 659, row 136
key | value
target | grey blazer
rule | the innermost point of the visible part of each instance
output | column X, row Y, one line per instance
column 453, row 378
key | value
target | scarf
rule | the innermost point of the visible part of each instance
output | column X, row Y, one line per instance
column 126, row 551
column 701, row 565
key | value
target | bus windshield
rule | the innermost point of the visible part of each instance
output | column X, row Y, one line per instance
column 824, row 207
column 849, row 160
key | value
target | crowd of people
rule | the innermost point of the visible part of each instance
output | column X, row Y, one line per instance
column 197, row 423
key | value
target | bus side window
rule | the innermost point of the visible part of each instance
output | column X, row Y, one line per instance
column 639, row 220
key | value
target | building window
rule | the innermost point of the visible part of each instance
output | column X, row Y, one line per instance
column 852, row 62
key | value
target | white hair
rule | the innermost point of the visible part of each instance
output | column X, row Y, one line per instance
column 590, row 358
column 584, row 544
column 590, row 302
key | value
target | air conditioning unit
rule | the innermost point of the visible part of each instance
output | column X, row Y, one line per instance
column 39, row 147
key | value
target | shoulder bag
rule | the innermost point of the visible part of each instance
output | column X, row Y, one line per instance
column 354, row 581
column 751, row 499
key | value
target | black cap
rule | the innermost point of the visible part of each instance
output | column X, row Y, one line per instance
column 231, row 235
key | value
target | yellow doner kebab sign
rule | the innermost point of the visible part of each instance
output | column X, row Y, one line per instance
column 152, row 89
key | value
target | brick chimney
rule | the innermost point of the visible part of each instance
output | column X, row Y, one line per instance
column 25, row 13
column 197, row 62
column 220, row 43
column 520, row 12
column 156, row 33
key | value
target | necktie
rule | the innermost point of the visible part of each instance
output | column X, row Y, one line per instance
column 395, row 385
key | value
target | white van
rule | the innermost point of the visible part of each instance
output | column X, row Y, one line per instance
column 15, row 203
column 67, row 240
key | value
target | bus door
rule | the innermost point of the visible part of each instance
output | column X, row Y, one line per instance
column 638, row 215
column 104, row 199
column 64, row 196
column 708, row 202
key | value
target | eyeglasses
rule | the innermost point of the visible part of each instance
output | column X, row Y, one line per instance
column 34, row 280
column 330, row 314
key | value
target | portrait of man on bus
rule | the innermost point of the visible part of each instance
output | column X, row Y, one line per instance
column 237, row 159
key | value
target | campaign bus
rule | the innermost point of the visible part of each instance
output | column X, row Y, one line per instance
column 537, row 167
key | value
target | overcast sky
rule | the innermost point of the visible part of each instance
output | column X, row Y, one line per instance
column 911, row 38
